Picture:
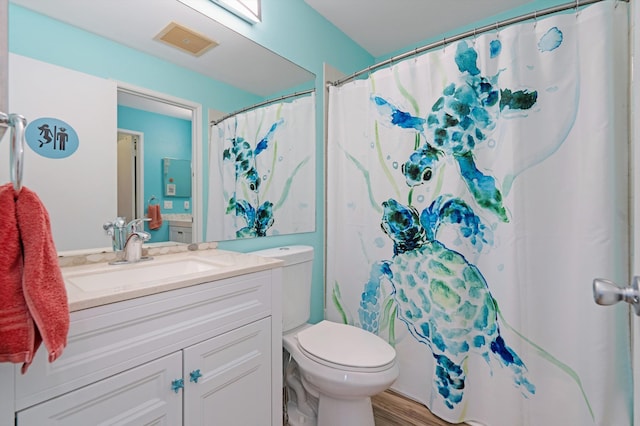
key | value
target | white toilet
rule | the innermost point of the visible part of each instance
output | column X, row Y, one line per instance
column 335, row 368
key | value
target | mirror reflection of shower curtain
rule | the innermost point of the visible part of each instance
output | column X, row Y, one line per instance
column 473, row 194
column 262, row 177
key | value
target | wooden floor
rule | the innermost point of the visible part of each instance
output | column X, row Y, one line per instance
column 393, row 409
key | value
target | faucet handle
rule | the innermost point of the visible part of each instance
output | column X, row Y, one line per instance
column 133, row 225
column 108, row 228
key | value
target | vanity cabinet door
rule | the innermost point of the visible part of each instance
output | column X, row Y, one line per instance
column 228, row 378
column 140, row 396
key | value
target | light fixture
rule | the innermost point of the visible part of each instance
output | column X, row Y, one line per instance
column 247, row 10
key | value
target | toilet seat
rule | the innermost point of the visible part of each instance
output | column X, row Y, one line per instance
column 345, row 347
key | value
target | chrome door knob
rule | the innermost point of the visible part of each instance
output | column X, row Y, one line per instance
column 606, row 292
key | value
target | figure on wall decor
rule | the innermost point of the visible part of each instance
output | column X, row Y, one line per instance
column 262, row 177
column 51, row 137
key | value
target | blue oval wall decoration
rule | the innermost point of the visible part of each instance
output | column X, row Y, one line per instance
column 51, row 138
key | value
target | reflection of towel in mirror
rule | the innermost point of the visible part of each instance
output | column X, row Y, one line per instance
column 33, row 298
column 153, row 213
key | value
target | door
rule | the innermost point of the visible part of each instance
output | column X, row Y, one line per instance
column 4, row 63
column 604, row 292
column 227, row 379
column 130, row 191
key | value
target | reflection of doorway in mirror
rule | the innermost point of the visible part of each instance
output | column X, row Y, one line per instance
column 129, row 174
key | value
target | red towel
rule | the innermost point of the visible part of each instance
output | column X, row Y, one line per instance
column 36, row 276
column 153, row 212
column 17, row 331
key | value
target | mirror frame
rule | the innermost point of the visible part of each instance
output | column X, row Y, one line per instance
column 197, row 182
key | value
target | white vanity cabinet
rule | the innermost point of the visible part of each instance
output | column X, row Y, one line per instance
column 207, row 354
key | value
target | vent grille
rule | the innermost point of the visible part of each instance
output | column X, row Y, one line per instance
column 183, row 38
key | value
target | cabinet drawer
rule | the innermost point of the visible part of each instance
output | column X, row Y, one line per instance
column 139, row 396
column 106, row 340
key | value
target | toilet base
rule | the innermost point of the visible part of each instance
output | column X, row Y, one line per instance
column 345, row 412
column 297, row 418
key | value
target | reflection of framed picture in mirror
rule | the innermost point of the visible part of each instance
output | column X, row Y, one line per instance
column 176, row 177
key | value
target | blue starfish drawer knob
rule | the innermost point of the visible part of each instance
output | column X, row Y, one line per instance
column 195, row 375
column 177, row 384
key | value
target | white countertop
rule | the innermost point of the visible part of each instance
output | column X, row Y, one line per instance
column 100, row 283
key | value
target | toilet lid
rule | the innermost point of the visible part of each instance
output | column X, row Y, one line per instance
column 345, row 345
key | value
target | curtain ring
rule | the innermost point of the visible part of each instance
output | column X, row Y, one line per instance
column 444, row 44
column 474, row 36
column 577, row 7
column 535, row 18
column 497, row 30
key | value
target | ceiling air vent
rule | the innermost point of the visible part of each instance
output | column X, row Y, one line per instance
column 185, row 39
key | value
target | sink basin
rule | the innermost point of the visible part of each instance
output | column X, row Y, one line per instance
column 139, row 275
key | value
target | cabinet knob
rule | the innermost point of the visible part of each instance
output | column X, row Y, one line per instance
column 177, row 384
column 195, row 375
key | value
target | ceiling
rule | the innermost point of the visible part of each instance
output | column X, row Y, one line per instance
column 383, row 27
column 136, row 23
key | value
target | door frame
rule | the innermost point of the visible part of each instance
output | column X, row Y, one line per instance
column 634, row 189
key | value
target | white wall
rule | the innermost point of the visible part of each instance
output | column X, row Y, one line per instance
column 68, row 186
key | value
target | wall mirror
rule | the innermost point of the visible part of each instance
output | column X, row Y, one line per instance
column 230, row 81
column 176, row 177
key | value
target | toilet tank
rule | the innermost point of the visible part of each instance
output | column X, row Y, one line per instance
column 296, row 283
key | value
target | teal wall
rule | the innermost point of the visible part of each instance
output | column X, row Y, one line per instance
column 164, row 136
column 316, row 42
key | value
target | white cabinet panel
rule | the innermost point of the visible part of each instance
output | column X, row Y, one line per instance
column 140, row 396
column 235, row 386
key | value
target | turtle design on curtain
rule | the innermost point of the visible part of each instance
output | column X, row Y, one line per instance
column 437, row 292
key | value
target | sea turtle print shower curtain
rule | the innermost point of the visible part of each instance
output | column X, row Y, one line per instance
column 474, row 193
column 262, row 172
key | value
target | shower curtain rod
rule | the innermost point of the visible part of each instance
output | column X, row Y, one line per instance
column 472, row 33
column 292, row 95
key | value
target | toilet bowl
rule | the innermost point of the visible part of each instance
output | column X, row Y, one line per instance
column 337, row 367
column 343, row 366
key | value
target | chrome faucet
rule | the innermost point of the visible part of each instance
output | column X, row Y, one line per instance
column 127, row 239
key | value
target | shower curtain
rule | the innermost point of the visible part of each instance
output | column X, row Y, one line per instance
column 474, row 193
column 262, row 168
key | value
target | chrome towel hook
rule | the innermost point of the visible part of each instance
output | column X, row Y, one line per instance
column 18, row 124
column 16, row 150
